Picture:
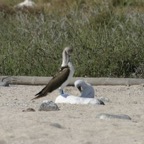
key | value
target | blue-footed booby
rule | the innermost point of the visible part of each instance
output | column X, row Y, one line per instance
column 86, row 90
column 62, row 78
column 87, row 95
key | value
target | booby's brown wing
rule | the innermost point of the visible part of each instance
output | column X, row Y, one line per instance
column 55, row 82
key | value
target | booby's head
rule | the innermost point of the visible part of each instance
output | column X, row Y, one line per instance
column 80, row 84
column 68, row 51
column 66, row 56
column 86, row 90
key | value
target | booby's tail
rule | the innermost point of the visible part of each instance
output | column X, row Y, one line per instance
column 42, row 93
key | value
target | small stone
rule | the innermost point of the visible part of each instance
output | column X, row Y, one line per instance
column 112, row 116
column 57, row 125
column 29, row 110
column 101, row 102
column 48, row 106
column 135, row 102
column 104, row 99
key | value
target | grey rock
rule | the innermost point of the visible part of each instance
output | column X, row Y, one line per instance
column 4, row 83
column 48, row 106
column 113, row 116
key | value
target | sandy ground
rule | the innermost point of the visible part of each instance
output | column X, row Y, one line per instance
column 72, row 124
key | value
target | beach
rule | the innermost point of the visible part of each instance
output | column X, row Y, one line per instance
column 72, row 124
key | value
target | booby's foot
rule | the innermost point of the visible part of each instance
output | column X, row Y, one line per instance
column 64, row 95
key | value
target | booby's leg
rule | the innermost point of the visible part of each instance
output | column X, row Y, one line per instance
column 61, row 91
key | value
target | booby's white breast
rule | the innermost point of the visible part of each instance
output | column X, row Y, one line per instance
column 69, row 77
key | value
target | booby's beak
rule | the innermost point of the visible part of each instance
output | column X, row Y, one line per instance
column 69, row 57
column 79, row 88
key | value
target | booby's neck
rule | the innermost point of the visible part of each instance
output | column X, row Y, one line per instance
column 65, row 59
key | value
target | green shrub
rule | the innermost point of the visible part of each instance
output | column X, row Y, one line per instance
column 107, row 40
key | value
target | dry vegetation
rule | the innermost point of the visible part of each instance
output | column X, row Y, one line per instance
column 107, row 35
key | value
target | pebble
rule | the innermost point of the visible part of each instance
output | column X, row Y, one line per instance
column 48, row 106
column 57, row 125
column 113, row 116
column 101, row 102
column 104, row 99
column 29, row 110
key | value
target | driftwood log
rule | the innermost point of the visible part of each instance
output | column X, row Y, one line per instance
column 34, row 80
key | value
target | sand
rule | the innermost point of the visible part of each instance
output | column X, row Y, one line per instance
column 72, row 124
